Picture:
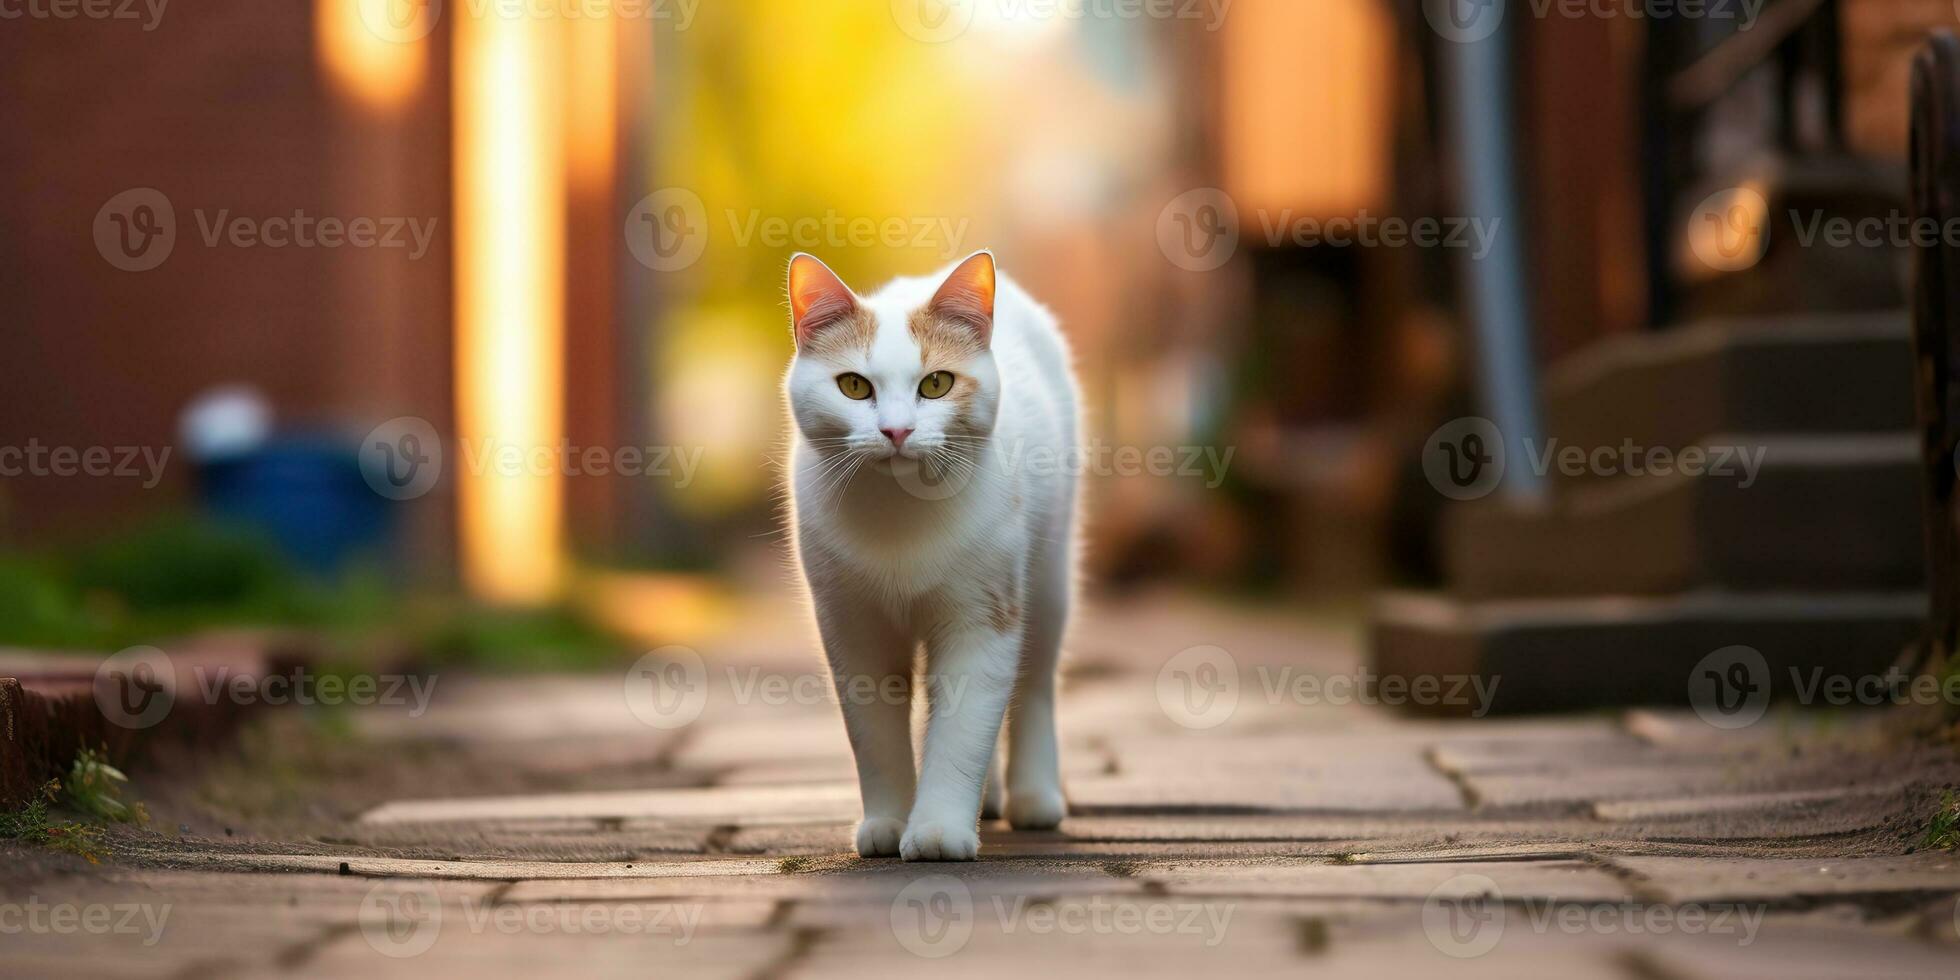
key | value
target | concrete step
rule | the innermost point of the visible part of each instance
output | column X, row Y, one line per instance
column 1845, row 373
column 1566, row 654
column 1822, row 513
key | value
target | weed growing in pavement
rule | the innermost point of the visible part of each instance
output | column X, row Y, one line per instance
column 1944, row 832
column 33, row 825
column 95, row 788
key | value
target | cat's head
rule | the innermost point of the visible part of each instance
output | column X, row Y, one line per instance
column 901, row 377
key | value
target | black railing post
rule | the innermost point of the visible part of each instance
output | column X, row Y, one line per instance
column 1936, row 301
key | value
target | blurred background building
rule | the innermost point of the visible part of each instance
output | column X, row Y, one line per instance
column 615, row 189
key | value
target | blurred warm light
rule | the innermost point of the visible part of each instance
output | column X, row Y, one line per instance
column 1022, row 22
column 510, row 286
column 654, row 608
column 375, row 71
column 1306, row 113
column 710, row 355
column 590, row 121
column 1727, row 233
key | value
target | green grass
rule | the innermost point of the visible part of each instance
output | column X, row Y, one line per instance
column 178, row 576
column 36, row 826
column 95, row 788
column 1944, row 830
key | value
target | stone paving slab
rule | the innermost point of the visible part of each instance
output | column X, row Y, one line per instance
column 1552, row 879
column 1276, row 772
column 534, row 953
column 1799, row 952
column 816, row 803
column 483, row 870
column 1690, row 879
column 1790, row 802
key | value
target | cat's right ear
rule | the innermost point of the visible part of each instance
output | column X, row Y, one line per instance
column 817, row 298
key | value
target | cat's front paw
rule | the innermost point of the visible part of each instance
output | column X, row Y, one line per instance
column 879, row 836
column 934, row 840
column 1041, row 809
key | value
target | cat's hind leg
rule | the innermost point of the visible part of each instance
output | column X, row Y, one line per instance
column 994, row 799
column 1034, row 778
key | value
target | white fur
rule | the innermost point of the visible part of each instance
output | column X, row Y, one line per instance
column 901, row 577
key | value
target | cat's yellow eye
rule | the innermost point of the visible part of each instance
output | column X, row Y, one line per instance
column 854, row 386
column 936, row 384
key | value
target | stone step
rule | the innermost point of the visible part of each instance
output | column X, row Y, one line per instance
column 1822, row 513
column 1567, row 654
column 1843, row 373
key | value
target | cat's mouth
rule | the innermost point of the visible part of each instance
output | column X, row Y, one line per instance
column 897, row 463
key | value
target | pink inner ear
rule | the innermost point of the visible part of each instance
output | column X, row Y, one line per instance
column 968, row 294
column 817, row 298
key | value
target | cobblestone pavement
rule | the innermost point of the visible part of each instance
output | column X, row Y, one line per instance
column 1228, row 817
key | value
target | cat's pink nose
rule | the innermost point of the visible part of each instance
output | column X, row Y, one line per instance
column 897, row 436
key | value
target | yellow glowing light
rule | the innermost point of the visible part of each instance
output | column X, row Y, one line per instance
column 653, row 607
column 369, row 51
column 1306, row 105
column 590, row 118
column 510, row 299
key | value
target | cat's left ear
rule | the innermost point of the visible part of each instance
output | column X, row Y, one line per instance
column 967, row 296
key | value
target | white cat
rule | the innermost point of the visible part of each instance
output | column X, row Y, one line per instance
column 935, row 512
